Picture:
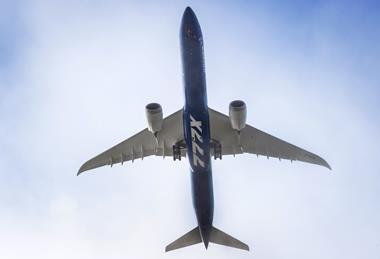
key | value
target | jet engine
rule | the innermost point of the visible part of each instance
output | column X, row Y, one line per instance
column 238, row 114
column 154, row 116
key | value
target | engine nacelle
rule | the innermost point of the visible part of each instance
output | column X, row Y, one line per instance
column 154, row 117
column 238, row 114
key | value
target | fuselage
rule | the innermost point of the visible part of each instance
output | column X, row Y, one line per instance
column 196, row 122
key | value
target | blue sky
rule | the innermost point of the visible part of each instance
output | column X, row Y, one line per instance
column 74, row 80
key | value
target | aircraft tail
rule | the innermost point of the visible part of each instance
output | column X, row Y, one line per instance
column 216, row 236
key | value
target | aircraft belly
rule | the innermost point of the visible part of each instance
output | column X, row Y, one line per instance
column 196, row 122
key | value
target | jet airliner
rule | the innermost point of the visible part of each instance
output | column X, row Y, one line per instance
column 200, row 133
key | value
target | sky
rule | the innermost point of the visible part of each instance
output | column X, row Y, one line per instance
column 75, row 77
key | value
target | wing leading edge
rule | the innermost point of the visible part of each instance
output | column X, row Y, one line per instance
column 255, row 141
column 142, row 144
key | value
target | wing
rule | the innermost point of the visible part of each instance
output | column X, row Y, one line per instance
column 142, row 144
column 254, row 141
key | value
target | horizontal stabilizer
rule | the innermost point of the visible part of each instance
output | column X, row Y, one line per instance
column 219, row 237
column 191, row 238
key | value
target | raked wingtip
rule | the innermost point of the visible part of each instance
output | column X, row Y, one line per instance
column 81, row 169
column 327, row 165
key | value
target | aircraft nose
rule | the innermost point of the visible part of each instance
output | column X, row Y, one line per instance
column 190, row 27
column 188, row 12
column 189, row 19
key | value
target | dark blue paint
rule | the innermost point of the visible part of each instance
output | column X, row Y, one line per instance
column 196, row 106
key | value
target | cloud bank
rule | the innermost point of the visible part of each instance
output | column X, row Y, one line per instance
column 75, row 77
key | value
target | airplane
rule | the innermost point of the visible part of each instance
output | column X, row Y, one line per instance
column 199, row 132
